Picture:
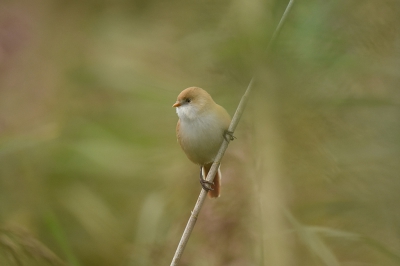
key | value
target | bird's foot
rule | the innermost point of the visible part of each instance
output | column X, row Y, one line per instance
column 228, row 135
column 206, row 185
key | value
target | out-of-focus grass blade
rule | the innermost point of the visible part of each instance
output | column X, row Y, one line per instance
column 310, row 237
column 19, row 248
column 92, row 212
column 313, row 242
column 59, row 235
column 331, row 232
column 146, row 233
column 383, row 249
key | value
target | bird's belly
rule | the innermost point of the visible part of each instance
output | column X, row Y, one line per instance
column 201, row 141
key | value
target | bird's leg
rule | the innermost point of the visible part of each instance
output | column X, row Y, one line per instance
column 228, row 135
column 204, row 183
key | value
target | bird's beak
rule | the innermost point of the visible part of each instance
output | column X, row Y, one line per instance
column 177, row 104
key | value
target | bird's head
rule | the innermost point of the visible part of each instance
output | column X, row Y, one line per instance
column 191, row 102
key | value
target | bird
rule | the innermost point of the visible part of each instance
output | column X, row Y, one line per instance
column 201, row 129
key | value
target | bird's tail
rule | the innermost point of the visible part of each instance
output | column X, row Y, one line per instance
column 215, row 193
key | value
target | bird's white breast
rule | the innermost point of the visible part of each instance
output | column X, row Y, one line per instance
column 201, row 134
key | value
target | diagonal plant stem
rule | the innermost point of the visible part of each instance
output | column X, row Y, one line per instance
column 280, row 24
column 210, row 177
column 214, row 168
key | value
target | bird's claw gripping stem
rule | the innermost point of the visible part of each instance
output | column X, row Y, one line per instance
column 204, row 183
column 228, row 135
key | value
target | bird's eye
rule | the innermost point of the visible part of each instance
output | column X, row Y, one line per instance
column 188, row 100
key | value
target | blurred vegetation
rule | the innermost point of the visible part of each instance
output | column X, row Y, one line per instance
column 90, row 171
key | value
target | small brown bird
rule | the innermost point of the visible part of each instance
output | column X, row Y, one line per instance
column 201, row 129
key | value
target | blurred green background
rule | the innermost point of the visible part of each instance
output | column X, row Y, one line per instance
column 90, row 171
